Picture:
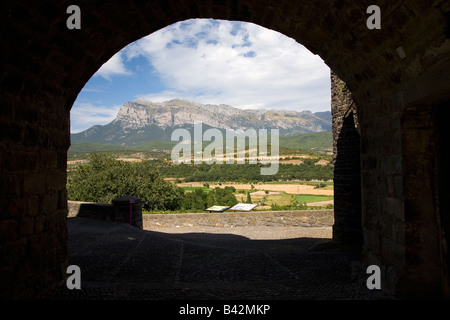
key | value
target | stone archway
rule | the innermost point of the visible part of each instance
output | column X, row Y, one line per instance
column 393, row 74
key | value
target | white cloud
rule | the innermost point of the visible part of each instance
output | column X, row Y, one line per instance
column 217, row 62
column 240, row 64
column 114, row 66
column 84, row 115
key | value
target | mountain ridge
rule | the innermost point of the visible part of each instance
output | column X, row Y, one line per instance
column 141, row 121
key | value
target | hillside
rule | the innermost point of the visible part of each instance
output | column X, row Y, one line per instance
column 319, row 142
column 313, row 142
column 142, row 121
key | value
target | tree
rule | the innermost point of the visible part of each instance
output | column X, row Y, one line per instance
column 223, row 197
column 105, row 178
column 249, row 198
column 195, row 200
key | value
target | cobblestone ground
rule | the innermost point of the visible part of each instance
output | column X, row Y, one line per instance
column 118, row 261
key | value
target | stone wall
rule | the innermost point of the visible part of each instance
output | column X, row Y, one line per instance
column 120, row 210
column 304, row 218
column 347, row 165
column 34, row 137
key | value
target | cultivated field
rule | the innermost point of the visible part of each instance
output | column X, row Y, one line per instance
column 282, row 194
column 288, row 187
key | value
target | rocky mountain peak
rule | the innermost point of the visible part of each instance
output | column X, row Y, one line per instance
column 148, row 120
column 176, row 112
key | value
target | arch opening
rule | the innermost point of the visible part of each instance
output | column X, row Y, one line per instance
column 256, row 92
column 122, row 70
column 391, row 72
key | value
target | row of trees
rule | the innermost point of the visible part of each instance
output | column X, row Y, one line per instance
column 248, row 172
column 105, row 178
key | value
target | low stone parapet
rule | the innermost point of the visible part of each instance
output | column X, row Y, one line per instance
column 126, row 209
column 305, row 218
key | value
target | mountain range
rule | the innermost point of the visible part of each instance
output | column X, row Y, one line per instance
column 142, row 121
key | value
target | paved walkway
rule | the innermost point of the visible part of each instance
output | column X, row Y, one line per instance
column 118, row 261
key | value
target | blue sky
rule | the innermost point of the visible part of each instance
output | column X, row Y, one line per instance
column 207, row 61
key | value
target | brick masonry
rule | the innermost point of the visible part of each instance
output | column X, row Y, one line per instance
column 403, row 212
